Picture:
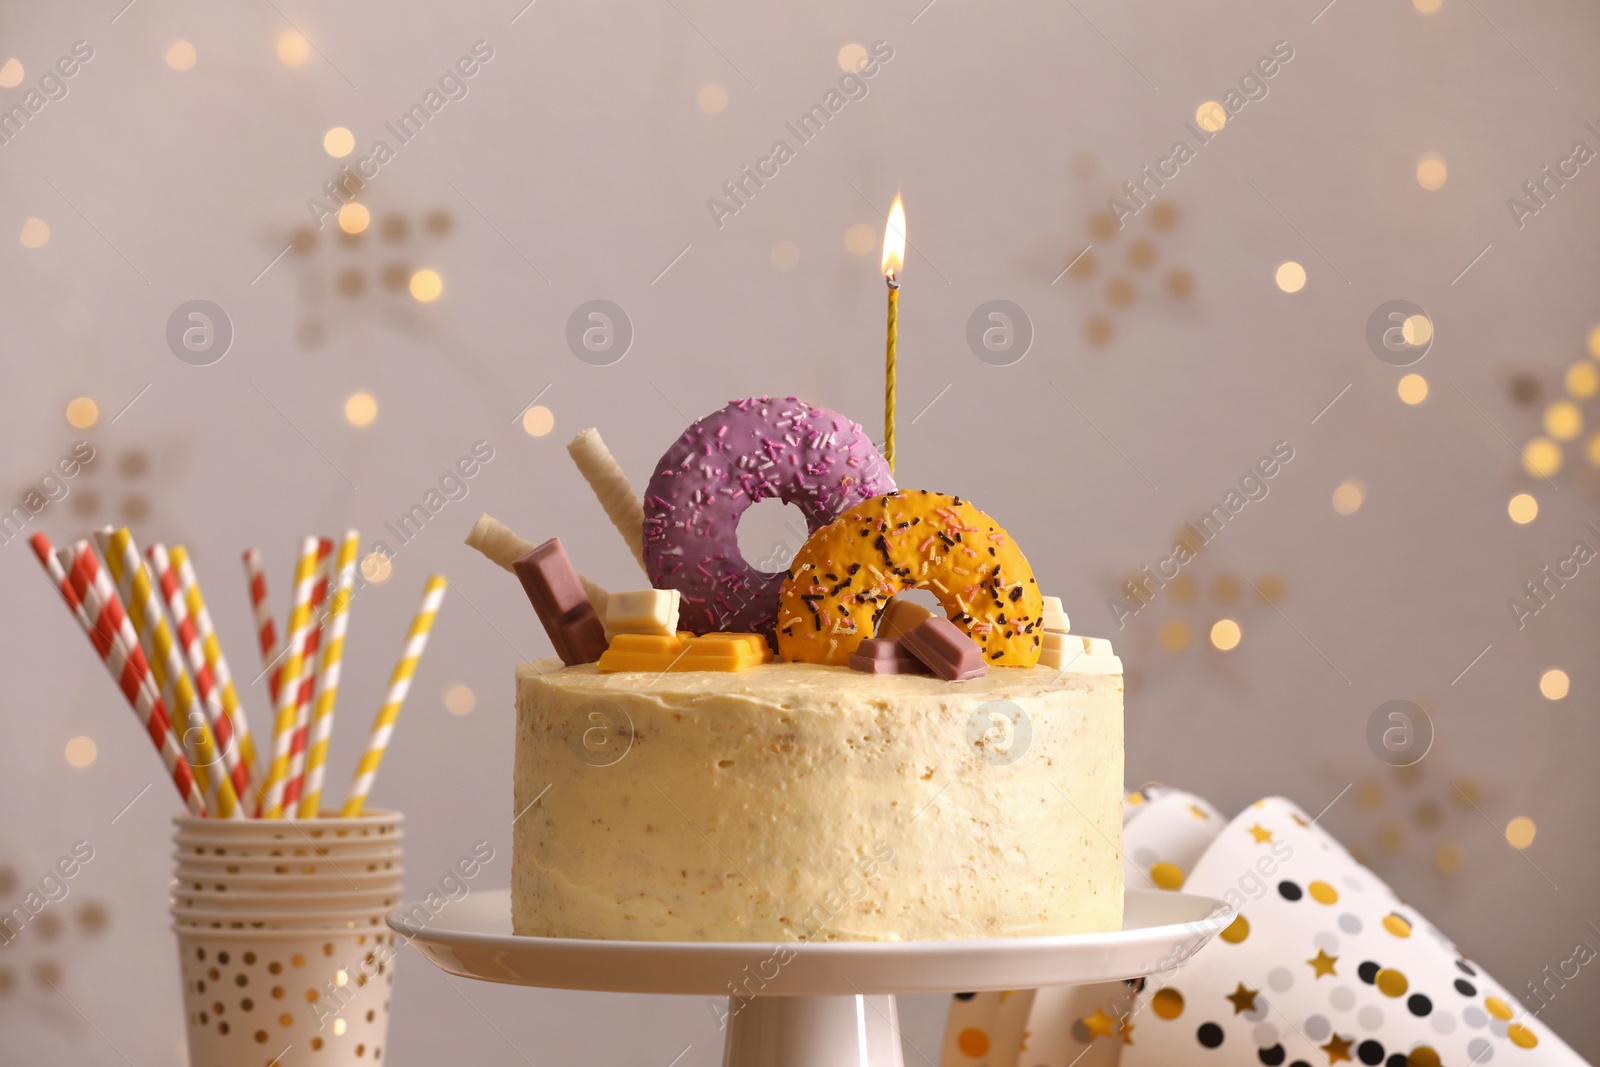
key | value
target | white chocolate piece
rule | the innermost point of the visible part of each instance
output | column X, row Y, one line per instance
column 502, row 545
column 1083, row 655
column 643, row 611
column 1081, row 664
column 604, row 475
column 1054, row 616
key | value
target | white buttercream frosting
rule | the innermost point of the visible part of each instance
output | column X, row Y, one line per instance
column 791, row 802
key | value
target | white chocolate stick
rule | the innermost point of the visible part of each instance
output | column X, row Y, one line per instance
column 623, row 506
column 502, row 545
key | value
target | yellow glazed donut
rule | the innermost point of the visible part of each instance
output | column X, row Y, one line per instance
column 850, row 569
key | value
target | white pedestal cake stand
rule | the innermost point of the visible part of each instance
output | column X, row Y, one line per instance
column 825, row 1004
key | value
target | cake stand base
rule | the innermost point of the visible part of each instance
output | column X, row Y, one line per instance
column 814, row 1032
column 819, row 1004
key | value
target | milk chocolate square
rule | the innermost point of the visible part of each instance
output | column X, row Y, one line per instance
column 882, row 655
column 945, row 649
column 564, row 610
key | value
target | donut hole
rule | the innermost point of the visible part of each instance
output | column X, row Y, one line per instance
column 925, row 597
column 770, row 533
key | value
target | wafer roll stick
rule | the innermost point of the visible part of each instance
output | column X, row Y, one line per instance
column 604, row 475
column 502, row 545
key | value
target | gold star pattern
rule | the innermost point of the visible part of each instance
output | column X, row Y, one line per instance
column 1127, row 1033
column 1262, row 835
column 1198, row 812
column 1100, row 1024
column 1297, row 819
column 1243, row 999
column 1337, row 1048
column 1323, row 963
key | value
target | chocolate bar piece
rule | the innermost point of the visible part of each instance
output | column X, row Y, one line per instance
column 564, row 609
column 946, row 650
column 899, row 616
column 884, row 655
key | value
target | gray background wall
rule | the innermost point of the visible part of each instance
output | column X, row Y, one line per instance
column 578, row 167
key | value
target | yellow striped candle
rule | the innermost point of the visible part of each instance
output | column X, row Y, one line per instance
column 328, row 672
column 399, row 683
column 305, row 575
column 144, row 608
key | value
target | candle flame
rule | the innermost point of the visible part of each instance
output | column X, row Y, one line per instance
column 894, row 239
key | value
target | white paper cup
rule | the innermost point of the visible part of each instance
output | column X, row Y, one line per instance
column 372, row 834
column 211, row 881
column 281, row 919
column 293, row 999
column 284, row 952
column 245, row 900
column 375, row 824
column 286, row 866
column 219, row 846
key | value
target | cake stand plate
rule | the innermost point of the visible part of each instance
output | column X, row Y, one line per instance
column 809, row 1005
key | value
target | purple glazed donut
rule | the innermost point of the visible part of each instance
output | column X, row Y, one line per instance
column 813, row 458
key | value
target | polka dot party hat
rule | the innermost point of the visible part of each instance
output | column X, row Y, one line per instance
column 1165, row 832
column 1323, row 965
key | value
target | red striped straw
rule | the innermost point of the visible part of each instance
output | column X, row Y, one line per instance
column 266, row 629
column 132, row 579
column 305, row 576
column 308, row 683
column 212, row 648
column 189, row 643
column 108, row 630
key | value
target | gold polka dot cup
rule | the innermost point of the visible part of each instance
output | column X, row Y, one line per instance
column 283, row 952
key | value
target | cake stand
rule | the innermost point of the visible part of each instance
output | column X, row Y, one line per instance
column 825, row 1004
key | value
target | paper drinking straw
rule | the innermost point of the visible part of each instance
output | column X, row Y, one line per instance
column 328, row 673
column 144, row 608
column 288, row 694
column 399, row 683
column 189, row 644
column 604, row 475
column 212, row 648
column 123, row 658
column 308, row 682
column 266, row 629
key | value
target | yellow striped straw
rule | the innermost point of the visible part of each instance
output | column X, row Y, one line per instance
column 399, row 683
column 139, row 596
column 305, row 576
column 212, row 649
column 328, row 672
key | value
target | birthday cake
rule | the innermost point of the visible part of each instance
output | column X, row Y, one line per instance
column 734, row 755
